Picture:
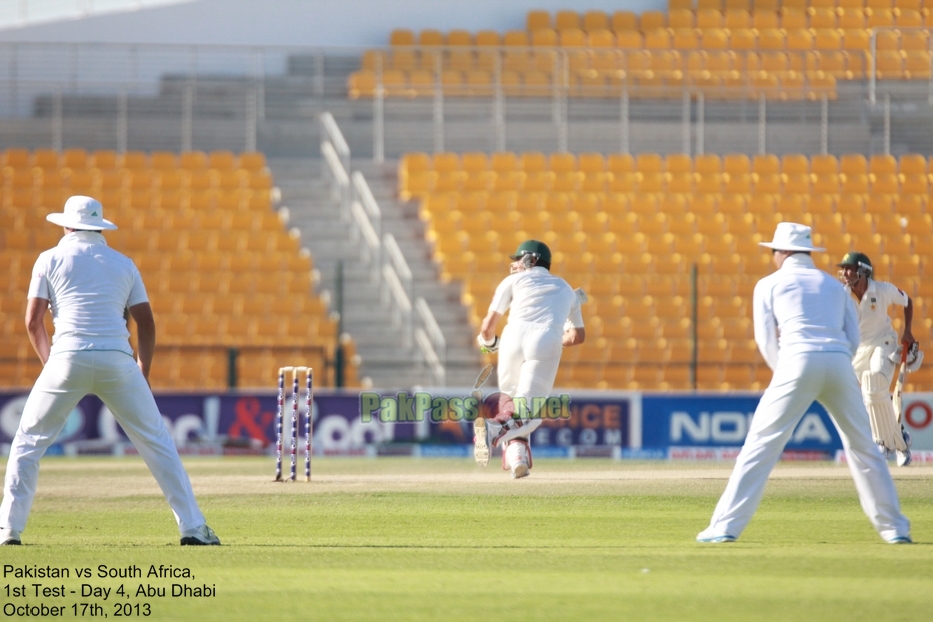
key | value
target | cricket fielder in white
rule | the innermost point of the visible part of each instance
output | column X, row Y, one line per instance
column 876, row 359
column 544, row 317
column 806, row 328
column 88, row 287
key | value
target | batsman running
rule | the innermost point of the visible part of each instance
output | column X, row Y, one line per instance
column 879, row 354
column 544, row 317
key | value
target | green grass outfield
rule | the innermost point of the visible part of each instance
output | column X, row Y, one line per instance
column 441, row 539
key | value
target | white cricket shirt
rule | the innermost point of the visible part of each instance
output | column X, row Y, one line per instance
column 800, row 308
column 538, row 297
column 88, row 286
column 873, row 319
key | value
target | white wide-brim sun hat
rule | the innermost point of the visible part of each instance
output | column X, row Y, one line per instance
column 790, row 236
column 82, row 213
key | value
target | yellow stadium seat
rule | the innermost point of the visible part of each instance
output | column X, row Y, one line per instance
column 822, row 18
column 737, row 18
column 402, row 37
column 853, row 164
column 537, row 20
column 794, row 18
column 566, row 20
column 880, row 164
column 915, row 40
column 652, row 20
column 595, row 20
column 624, row 21
column 879, row 18
column 657, row 39
column 680, row 19
column 710, row 19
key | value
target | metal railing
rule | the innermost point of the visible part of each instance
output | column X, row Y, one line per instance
column 873, row 50
column 396, row 299
column 431, row 341
column 332, row 134
column 381, row 254
column 364, row 196
column 336, row 176
column 165, row 97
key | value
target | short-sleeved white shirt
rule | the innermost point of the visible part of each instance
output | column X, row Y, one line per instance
column 873, row 319
column 538, row 297
column 89, row 286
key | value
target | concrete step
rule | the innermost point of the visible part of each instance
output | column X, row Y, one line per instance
column 386, row 357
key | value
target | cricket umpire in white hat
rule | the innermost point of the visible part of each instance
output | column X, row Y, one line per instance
column 806, row 327
column 88, row 286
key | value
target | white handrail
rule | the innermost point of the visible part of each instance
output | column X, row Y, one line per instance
column 399, row 303
column 392, row 256
column 371, row 249
column 395, row 256
column 365, row 196
column 432, row 331
column 337, row 176
column 430, row 356
column 332, row 131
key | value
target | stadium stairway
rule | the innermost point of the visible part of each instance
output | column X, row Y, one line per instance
column 385, row 360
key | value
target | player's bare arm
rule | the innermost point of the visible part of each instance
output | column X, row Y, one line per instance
column 573, row 337
column 487, row 339
column 35, row 327
column 488, row 327
column 146, row 335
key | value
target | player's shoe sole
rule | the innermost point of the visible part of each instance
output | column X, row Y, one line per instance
column 480, row 443
column 900, row 540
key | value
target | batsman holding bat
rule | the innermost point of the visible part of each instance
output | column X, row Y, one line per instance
column 878, row 354
column 544, row 317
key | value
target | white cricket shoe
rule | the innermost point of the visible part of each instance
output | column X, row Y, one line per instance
column 480, row 443
column 516, row 456
column 710, row 536
column 199, row 536
column 9, row 537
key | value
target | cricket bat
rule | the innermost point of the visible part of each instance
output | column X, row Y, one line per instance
column 480, row 381
column 897, row 398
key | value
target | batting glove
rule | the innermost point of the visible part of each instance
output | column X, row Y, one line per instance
column 488, row 347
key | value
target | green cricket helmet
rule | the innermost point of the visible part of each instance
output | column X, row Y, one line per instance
column 538, row 250
column 858, row 260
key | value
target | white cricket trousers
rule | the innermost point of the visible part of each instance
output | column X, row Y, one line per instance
column 826, row 377
column 874, row 356
column 116, row 379
column 529, row 355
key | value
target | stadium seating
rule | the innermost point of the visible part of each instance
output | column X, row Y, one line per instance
column 727, row 50
column 633, row 245
column 221, row 269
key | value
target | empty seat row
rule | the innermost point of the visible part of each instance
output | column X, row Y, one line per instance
column 851, row 31
column 738, row 163
column 218, row 276
column 73, row 158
